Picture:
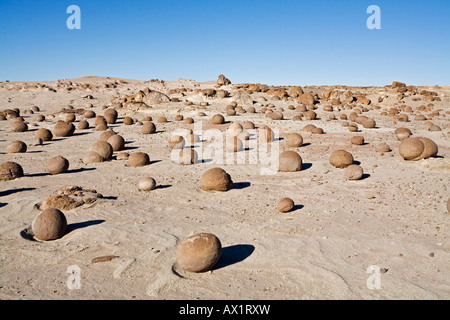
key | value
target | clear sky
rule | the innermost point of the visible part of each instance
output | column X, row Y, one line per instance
column 283, row 42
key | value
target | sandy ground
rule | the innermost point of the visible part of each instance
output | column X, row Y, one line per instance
column 395, row 218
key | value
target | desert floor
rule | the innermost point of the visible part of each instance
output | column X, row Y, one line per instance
column 395, row 218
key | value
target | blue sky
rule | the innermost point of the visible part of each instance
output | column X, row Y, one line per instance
column 272, row 42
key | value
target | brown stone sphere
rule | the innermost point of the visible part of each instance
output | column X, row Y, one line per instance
column 162, row 120
column 179, row 117
column 317, row 131
column 16, row 147
column 411, row 148
column 341, row 159
column 148, row 128
column 104, row 136
column 369, row 123
column 146, row 184
column 63, row 129
column 92, row 157
column 217, row 119
column 216, row 179
column 294, row 140
column 10, row 170
column 103, row 148
column 176, row 142
column 234, row 144
column 70, row 117
column 382, row 147
column 310, row 115
column 57, row 165
column 138, row 159
column 353, row 172
column 430, row 149
column 402, row 133
column 101, row 127
column 123, row 155
column 266, row 134
column 309, row 128
column 44, row 134
column 357, row 140
column 128, row 121
column 248, row 125
column 110, row 118
column 100, row 120
column 89, row 114
column 234, row 129
column 285, row 205
column 39, row 118
column 199, row 252
column 82, row 125
column 188, row 120
column 117, row 142
column 188, row 156
column 49, row 224
column 19, row 126
column 289, row 161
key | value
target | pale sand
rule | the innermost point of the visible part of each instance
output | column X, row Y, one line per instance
column 395, row 218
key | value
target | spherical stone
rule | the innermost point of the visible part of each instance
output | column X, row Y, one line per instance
column 37, row 141
column 49, row 224
column 16, row 147
column 285, row 205
column 353, row 172
column 89, row 114
column 146, row 184
column 199, row 252
column 19, row 126
column 188, row 156
column 248, row 125
column 382, row 147
column 189, row 120
column 266, row 134
column 103, row 148
column 92, row 157
column 176, row 142
column 357, row 140
column 309, row 128
column 100, row 120
column 317, row 131
column 138, row 159
column 70, row 117
column 341, row 159
column 216, row 179
column 411, row 148
column 128, row 121
column 10, row 170
column 39, row 118
column 104, row 136
column 117, row 142
column 234, row 144
column 110, row 118
column 179, row 117
column 310, row 115
column 234, row 129
column 111, row 111
column 402, row 133
column 63, row 129
column 82, row 125
column 57, row 165
column 217, row 119
column 430, row 149
column 162, row 120
column 123, row 155
column 101, row 127
column 44, row 134
column 289, row 161
column 276, row 115
column 148, row 128
column 434, row 128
